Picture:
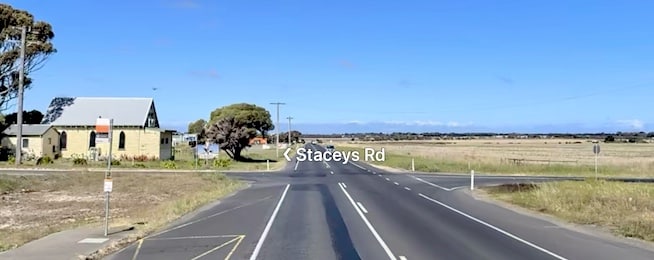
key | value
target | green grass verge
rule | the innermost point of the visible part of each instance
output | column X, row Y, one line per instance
column 626, row 209
column 183, row 160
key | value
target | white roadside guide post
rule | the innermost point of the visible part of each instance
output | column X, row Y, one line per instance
column 596, row 151
column 104, row 129
column 472, row 179
column 413, row 165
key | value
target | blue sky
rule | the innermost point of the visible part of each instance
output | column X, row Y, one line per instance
column 378, row 66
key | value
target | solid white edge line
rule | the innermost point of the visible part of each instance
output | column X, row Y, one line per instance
column 362, row 207
column 372, row 229
column 506, row 233
column 359, row 166
column 403, row 257
column 431, row 184
column 255, row 254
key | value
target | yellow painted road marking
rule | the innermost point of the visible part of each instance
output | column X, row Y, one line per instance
column 215, row 248
column 235, row 246
column 138, row 249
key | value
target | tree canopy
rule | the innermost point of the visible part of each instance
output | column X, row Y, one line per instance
column 197, row 126
column 249, row 115
column 31, row 117
column 295, row 137
column 38, row 48
column 232, row 127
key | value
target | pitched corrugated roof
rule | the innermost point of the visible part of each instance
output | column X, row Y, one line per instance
column 28, row 129
column 83, row 111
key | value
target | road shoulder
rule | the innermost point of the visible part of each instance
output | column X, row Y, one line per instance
column 592, row 230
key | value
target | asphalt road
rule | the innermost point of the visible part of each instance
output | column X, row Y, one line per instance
column 353, row 211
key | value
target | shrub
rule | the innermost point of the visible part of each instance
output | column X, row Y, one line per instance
column 140, row 158
column 222, row 162
column 169, row 165
column 44, row 160
column 115, row 162
column 80, row 161
column 11, row 159
column 139, row 165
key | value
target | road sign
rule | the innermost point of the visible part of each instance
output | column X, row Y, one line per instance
column 108, row 185
column 102, row 130
column 596, row 149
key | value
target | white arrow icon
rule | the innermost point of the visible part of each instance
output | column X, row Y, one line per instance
column 286, row 154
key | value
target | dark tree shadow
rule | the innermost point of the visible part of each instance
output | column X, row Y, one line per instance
column 250, row 160
column 56, row 109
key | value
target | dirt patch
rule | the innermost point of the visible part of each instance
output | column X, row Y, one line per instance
column 32, row 207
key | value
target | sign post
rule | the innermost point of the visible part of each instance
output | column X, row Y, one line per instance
column 103, row 129
column 596, row 151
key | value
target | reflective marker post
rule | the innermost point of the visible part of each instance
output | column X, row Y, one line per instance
column 472, row 180
column 596, row 151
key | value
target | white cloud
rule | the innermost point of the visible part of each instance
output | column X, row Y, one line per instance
column 632, row 123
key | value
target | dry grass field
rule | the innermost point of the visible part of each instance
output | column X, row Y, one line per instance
column 34, row 206
column 516, row 156
column 626, row 209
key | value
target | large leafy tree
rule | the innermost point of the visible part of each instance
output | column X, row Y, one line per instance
column 233, row 126
column 29, row 117
column 38, row 48
column 197, row 126
column 295, row 136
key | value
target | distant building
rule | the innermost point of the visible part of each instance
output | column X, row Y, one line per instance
column 136, row 130
column 185, row 139
column 38, row 140
column 258, row 141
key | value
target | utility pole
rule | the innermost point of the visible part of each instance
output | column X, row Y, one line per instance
column 277, row 127
column 290, row 141
column 21, row 82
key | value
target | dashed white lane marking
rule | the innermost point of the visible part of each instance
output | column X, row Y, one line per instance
column 344, row 186
column 403, row 257
column 388, row 179
column 331, row 172
column 372, row 229
column 362, row 207
column 407, row 188
column 93, row 241
column 396, row 183
column 431, row 184
column 296, row 164
column 374, row 172
column 493, row 227
column 255, row 254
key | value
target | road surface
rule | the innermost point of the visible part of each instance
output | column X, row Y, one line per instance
column 353, row 211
